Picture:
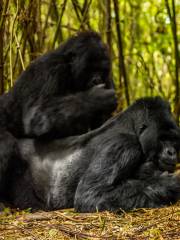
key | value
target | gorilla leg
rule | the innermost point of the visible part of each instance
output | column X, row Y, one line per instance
column 131, row 194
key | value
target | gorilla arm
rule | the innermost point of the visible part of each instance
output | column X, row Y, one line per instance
column 66, row 116
column 114, row 185
column 129, row 194
column 102, row 184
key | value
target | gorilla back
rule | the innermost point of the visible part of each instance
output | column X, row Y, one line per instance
column 127, row 163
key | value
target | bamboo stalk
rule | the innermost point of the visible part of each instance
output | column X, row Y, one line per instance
column 122, row 67
column 11, row 38
column 19, row 51
column 172, row 17
column 3, row 10
column 59, row 23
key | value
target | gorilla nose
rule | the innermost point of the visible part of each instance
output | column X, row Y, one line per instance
column 170, row 152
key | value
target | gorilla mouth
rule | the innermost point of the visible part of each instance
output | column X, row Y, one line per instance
column 166, row 165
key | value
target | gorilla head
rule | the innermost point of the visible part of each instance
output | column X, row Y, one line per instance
column 89, row 60
column 158, row 133
column 77, row 65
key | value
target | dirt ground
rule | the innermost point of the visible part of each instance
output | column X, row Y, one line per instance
column 155, row 224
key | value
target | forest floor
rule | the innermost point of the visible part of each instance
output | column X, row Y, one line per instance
column 155, row 224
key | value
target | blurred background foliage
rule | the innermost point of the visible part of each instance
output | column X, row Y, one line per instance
column 142, row 35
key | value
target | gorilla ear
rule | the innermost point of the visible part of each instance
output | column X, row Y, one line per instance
column 148, row 139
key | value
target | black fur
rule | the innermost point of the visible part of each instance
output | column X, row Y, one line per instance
column 60, row 94
column 126, row 163
column 54, row 95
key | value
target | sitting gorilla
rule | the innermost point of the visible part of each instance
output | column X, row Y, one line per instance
column 54, row 96
column 126, row 163
column 60, row 94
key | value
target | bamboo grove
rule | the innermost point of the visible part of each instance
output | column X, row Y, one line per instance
column 142, row 36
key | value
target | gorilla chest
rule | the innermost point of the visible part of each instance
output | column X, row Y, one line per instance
column 58, row 176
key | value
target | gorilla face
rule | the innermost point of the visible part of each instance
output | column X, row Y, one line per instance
column 159, row 135
column 167, row 158
column 160, row 147
column 89, row 61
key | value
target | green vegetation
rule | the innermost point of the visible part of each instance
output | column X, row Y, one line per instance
column 142, row 37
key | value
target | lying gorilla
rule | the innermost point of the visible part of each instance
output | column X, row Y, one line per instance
column 126, row 163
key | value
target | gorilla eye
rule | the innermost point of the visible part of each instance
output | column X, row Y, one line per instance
column 142, row 128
